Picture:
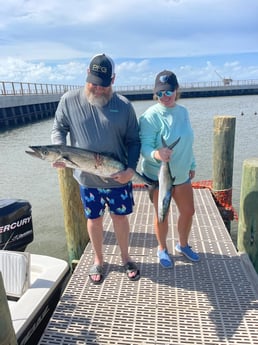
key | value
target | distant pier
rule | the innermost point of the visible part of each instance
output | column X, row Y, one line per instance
column 194, row 90
column 25, row 103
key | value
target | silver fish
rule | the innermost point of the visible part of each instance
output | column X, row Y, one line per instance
column 99, row 164
column 166, row 181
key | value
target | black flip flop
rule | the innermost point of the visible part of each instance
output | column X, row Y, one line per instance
column 130, row 267
column 96, row 270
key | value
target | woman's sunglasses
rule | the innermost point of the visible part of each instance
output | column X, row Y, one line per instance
column 166, row 93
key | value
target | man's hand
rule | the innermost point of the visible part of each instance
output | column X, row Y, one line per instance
column 123, row 176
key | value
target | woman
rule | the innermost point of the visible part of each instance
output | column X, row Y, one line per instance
column 166, row 121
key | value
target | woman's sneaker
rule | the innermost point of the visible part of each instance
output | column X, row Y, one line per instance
column 187, row 251
column 164, row 258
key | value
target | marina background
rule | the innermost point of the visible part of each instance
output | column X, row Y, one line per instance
column 37, row 182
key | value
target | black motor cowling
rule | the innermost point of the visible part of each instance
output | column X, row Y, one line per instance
column 16, row 230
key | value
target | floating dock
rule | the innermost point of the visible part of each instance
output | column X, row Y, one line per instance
column 214, row 301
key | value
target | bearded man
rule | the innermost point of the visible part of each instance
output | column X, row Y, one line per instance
column 98, row 119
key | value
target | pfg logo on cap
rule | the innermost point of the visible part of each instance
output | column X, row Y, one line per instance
column 98, row 68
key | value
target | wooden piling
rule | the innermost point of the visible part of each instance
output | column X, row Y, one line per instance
column 247, row 239
column 75, row 222
column 223, row 158
column 7, row 334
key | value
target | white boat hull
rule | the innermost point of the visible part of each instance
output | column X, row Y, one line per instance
column 31, row 312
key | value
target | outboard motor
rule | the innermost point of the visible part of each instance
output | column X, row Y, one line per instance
column 16, row 230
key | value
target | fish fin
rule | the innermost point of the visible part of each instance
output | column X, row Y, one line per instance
column 148, row 183
column 164, row 144
column 171, row 145
column 104, row 180
column 172, row 177
column 68, row 161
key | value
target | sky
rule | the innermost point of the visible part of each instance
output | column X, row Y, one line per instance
column 52, row 41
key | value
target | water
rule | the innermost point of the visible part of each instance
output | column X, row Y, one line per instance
column 36, row 181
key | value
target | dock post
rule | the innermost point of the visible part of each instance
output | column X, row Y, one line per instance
column 223, row 158
column 75, row 222
column 7, row 334
column 247, row 239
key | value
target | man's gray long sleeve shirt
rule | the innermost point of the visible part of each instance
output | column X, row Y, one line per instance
column 112, row 129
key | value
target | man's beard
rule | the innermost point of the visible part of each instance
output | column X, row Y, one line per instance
column 100, row 100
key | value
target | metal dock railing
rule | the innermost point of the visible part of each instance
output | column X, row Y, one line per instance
column 214, row 301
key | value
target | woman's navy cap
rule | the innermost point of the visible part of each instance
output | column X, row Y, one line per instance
column 165, row 81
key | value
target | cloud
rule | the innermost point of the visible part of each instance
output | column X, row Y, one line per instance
column 12, row 69
column 54, row 40
column 127, row 28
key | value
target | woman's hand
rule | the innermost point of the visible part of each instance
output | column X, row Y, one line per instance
column 191, row 174
column 163, row 154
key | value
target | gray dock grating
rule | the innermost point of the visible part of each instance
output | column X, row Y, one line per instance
column 214, row 301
